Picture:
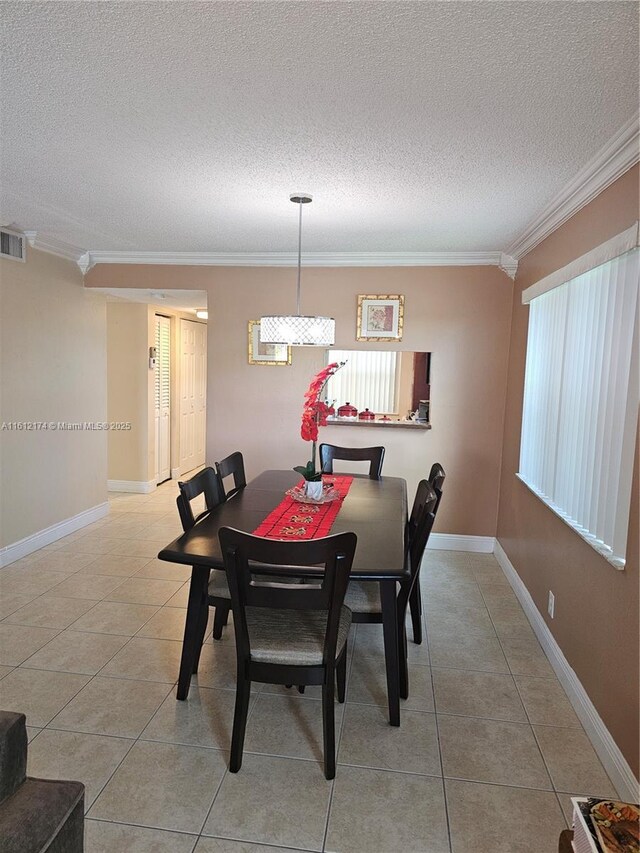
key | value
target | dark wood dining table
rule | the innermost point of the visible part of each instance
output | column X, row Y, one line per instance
column 376, row 510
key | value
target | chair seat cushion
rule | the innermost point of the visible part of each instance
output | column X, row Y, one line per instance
column 363, row 597
column 219, row 588
column 292, row 637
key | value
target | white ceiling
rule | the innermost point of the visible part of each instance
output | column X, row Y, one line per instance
column 418, row 126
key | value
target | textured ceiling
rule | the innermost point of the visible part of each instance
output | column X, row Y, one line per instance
column 417, row 126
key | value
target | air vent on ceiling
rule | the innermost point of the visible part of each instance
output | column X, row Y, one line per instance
column 12, row 245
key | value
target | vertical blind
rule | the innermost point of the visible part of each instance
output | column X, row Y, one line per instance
column 581, row 400
column 367, row 381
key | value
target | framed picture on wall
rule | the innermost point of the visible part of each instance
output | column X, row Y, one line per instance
column 380, row 318
column 271, row 355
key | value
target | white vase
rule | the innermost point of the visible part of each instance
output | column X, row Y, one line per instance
column 313, row 489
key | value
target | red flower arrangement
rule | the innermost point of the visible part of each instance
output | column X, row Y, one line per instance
column 314, row 415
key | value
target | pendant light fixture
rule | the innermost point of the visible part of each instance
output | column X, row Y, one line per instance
column 298, row 330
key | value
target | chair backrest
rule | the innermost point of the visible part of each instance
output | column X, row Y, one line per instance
column 420, row 524
column 245, row 555
column 373, row 455
column 205, row 482
column 423, row 493
column 232, row 466
column 436, row 478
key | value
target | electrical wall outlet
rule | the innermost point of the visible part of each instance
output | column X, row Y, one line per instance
column 551, row 606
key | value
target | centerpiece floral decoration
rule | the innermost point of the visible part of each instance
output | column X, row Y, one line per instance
column 314, row 415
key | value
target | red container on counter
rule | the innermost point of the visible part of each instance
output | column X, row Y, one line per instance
column 366, row 415
column 347, row 411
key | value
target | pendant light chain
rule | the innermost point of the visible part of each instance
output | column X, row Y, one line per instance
column 299, row 257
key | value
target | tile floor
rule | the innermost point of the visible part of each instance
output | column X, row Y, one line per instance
column 486, row 759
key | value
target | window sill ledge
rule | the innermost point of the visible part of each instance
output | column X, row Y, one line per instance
column 385, row 424
column 598, row 546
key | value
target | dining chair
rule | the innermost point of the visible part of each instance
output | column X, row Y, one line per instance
column 373, row 455
column 205, row 483
column 293, row 633
column 232, row 466
column 436, row 479
column 363, row 597
column 418, row 536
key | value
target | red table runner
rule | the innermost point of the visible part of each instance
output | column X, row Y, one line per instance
column 292, row 519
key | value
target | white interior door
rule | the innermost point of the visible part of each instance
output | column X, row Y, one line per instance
column 163, row 398
column 193, row 394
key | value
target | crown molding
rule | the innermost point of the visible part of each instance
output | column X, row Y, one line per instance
column 509, row 265
column 310, row 259
column 87, row 259
column 40, row 241
column 84, row 262
column 619, row 154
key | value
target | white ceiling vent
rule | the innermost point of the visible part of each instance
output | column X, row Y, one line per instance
column 12, row 245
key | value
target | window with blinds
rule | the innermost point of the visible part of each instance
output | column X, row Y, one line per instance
column 581, row 393
column 369, row 380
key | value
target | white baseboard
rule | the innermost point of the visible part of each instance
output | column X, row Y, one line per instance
column 451, row 542
column 11, row 553
column 175, row 473
column 136, row 486
column 608, row 751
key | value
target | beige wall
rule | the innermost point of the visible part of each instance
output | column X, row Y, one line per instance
column 128, row 390
column 405, row 383
column 52, row 368
column 596, row 607
column 460, row 314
